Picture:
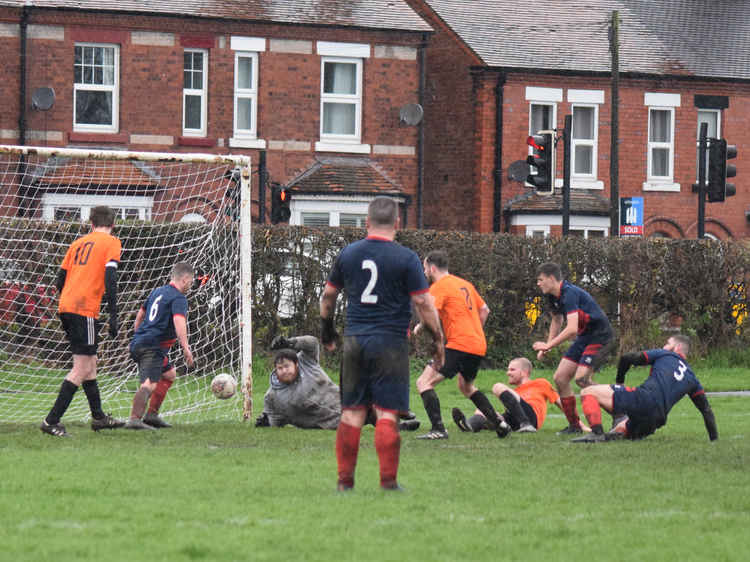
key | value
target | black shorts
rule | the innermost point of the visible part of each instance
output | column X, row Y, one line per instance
column 152, row 362
column 82, row 332
column 375, row 372
column 467, row 364
column 528, row 410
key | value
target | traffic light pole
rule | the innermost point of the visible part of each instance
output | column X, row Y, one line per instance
column 566, row 176
column 702, row 147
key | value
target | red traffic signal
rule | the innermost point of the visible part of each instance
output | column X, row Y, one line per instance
column 542, row 160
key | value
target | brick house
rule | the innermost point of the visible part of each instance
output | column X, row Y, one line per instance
column 681, row 64
column 312, row 90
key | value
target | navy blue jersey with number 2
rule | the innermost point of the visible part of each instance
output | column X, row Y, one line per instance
column 157, row 327
column 379, row 277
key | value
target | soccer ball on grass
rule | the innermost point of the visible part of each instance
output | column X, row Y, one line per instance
column 223, row 386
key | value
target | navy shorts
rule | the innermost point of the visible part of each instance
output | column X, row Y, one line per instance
column 82, row 332
column 461, row 362
column 644, row 414
column 375, row 372
column 152, row 361
column 591, row 350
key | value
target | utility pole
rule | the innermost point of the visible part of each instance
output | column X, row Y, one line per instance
column 702, row 180
column 614, row 151
column 566, row 175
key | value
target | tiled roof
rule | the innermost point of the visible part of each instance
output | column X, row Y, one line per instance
column 581, row 202
column 344, row 175
column 377, row 14
column 677, row 37
column 74, row 173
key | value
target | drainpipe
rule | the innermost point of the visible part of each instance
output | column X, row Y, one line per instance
column 498, row 195
column 22, row 76
column 420, row 137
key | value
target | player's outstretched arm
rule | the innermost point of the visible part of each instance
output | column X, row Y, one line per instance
column 110, row 283
column 701, row 402
column 628, row 360
column 180, row 328
column 62, row 274
column 328, row 334
column 308, row 345
column 431, row 321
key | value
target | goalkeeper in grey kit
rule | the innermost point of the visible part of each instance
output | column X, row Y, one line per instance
column 301, row 393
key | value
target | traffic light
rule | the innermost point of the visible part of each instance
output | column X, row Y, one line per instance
column 718, row 170
column 543, row 160
column 280, row 199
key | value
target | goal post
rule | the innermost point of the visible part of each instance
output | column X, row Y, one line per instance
column 170, row 207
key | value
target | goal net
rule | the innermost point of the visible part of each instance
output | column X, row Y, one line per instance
column 169, row 207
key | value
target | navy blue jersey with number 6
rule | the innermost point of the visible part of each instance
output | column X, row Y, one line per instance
column 157, row 327
column 379, row 277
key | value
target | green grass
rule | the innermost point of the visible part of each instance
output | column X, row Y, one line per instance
column 228, row 491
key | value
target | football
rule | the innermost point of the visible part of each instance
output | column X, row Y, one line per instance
column 223, row 386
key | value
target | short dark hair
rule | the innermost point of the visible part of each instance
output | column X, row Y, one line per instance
column 550, row 269
column 382, row 211
column 438, row 258
column 285, row 353
column 102, row 216
column 182, row 268
column 683, row 340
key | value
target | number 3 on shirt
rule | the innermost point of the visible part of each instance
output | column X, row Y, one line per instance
column 367, row 296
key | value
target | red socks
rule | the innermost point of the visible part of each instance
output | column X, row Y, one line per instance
column 158, row 396
column 569, row 409
column 347, row 447
column 388, row 447
column 591, row 410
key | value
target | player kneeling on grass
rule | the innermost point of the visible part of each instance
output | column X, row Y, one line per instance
column 301, row 393
column 160, row 322
column 647, row 405
column 525, row 403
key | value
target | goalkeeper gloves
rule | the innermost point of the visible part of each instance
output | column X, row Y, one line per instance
column 280, row 342
column 262, row 421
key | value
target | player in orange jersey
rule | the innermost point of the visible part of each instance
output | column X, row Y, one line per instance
column 89, row 267
column 525, row 403
column 463, row 314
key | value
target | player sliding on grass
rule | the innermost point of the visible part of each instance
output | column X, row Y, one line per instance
column 160, row 322
column 463, row 314
column 646, row 406
column 525, row 403
column 585, row 322
column 89, row 267
column 381, row 279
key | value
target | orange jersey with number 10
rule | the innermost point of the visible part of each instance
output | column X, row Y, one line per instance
column 458, row 304
column 85, row 264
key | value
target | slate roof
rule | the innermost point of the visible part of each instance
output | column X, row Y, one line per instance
column 706, row 38
column 377, row 14
column 345, row 176
column 581, row 202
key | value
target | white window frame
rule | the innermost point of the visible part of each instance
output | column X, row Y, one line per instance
column 52, row 201
column 335, row 207
column 114, row 88
column 246, row 138
column 202, row 92
column 589, row 180
column 657, row 101
column 342, row 143
column 717, row 113
column 543, row 222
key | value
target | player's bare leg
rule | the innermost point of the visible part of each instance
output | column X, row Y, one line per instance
column 563, row 376
column 426, row 384
column 139, row 406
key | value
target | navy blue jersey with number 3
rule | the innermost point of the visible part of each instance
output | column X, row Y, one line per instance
column 670, row 379
column 379, row 277
column 157, row 327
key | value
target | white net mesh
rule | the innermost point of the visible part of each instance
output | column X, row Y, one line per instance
column 177, row 208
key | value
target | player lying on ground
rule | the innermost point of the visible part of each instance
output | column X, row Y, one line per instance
column 586, row 322
column 301, row 393
column 525, row 403
column 160, row 322
column 647, row 405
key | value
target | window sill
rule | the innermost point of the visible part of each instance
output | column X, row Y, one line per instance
column 322, row 146
column 581, row 183
column 196, row 141
column 120, row 138
column 661, row 186
column 239, row 142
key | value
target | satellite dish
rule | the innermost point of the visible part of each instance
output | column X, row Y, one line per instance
column 518, row 170
column 411, row 113
column 43, row 98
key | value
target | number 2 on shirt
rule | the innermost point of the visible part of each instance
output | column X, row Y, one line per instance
column 367, row 296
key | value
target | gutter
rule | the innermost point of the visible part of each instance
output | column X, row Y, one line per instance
column 421, row 135
column 497, row 199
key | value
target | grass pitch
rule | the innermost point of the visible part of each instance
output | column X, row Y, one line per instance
column 227, row 491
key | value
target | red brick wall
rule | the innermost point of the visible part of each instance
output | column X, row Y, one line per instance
column 151, row 89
